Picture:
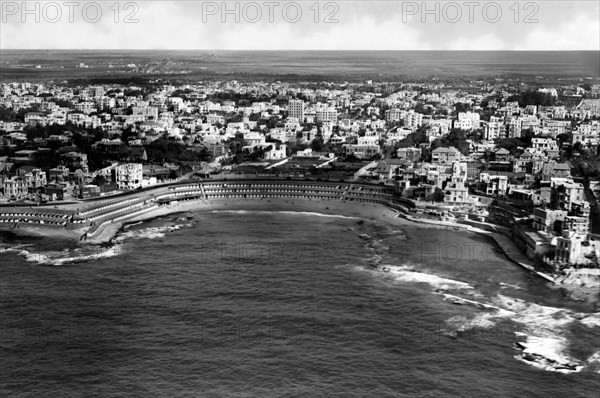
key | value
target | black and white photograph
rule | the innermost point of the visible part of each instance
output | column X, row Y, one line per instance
column 308, row 198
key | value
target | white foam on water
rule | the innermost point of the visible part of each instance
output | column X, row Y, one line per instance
column 508, row 285
column 147, row 233
column 151, row 232
column 289, row 212
column 545, row 333
column 461, row 323
column 500, row 312
column 543, row 338
column 406, row 274
column 593, row 361
column 127, row 226
column 548, row 353
column 62, row 257
column 591, row 320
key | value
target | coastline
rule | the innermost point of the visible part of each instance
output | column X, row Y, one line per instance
column 579, row 285
column 362, row 211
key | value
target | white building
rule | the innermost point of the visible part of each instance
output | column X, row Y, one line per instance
column 327, row 114
column 128, row 176
column 494, row 130
column 467, row 121
column 413, row 119
column 296, row 109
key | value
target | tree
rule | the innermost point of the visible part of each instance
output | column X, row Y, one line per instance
column 99, row 180
column 351, row 158
column 462, row 107
column 7, row 114
column 510, row 144
column 46, row 159
column 438, row 195
column 317, row 143
column 456, row 138
column 128, row 133
column 526, row 137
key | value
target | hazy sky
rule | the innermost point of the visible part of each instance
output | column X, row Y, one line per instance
column 273, row 25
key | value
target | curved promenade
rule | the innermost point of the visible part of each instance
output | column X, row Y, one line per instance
column 93, row 219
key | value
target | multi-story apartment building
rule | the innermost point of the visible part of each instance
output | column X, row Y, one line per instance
column 36, row 178
column 14, row 187
column 565, row 194
column 296, row 109
column 467, row 121
column 327, row 114
column 76, row 160
column 446, row 155
column 58, row 173
column 413, row 119
column 494, row 130
column 128, row 176
column 455, row 190
column 412, row 154
column 540, row 144
column 581, row 225
column 394, row 115
column 568, row 247
column 361, row 151
column 548, row 220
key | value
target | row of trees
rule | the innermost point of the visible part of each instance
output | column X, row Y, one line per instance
column 515, row 145
column 533, row 98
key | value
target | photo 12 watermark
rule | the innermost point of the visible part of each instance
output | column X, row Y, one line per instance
column 56, row 12
column 273, row 12
column 453, row 12
column 326, row 12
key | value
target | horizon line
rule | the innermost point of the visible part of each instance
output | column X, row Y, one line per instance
column 271, row 50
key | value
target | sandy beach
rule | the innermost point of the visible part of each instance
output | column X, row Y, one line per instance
column 362, row 211
column 359, row 210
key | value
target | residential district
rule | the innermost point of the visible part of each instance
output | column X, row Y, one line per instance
column 523, row 158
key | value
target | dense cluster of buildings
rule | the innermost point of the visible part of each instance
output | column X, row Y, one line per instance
column 478, row 149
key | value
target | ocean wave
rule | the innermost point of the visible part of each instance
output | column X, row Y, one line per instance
column 544, row 336
column 288, row 212
column 501, row 312
column 66, row 256
column 591, row 320
column 408, row 275
column 150, row 232
column 508, row 285
column 127, row 226
column 593, row 361
column 547, row 353
column 461, row 323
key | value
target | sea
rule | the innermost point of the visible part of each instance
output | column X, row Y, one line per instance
column 287, row 304
column 302, row 65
